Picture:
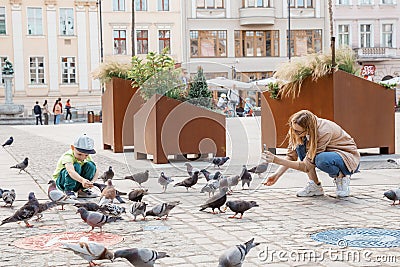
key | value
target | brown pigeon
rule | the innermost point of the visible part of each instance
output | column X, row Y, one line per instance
column 108, row 194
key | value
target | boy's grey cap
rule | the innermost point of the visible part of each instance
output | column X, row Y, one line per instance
column 85, row 144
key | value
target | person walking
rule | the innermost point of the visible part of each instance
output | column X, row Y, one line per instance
column 37, row 110
column 46, row 112
column 57, row 112
column 68, row 109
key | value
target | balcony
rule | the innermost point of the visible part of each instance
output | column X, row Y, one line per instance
column 257, row 16
column 376, row 53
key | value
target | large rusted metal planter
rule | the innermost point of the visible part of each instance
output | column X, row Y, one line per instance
column 119, row 103
column 165, row 126
column 362, row 108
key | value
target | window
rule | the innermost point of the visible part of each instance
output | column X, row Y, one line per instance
column 256, row 3
column 256, row 43
column 343, row 2
column 2, row 20
column 118, row 5
column 35, row 21
column 365, row 2
column 301, row 3
column 163, row 5
column 208, row 43
column 141, row 5
column 164, row 40
column 36, row 70
column 209, row 4
column 68, row 68
column 2, row 64
column 66, row 21
column 142, row 41
column 387, row 2
column 343, row 35
column 303, row 42
column 119, row 42
column 387, row 35
column 365, row 35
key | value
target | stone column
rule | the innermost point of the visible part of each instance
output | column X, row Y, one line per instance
column 8, row 88
column 9, row 109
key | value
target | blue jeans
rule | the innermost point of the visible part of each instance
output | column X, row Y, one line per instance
column 66, row 183
column 57, row 119
column 329, row 162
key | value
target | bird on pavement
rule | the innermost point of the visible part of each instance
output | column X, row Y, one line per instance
column 216, row 201
column 58, row 196
column 235, row 256
column 393, row 194
column 21, row 166
column 162, row 209
column 107, row 175
column 219, row 161
column 189, row 182
column 209, row 176
column 189, row 168
column 210, row 187
column 111, row 209
column 8, row 197
column 142, row 257
column 89, row 251
column 259, row 169
column 138, row 208
column 245, row 176
column 43, row 207
column 140, row 177
column 118, row 194
column 89, row 206
column 108, row 194
column 164, row 181
column 8, row 142
column 26, row 212
column 240, row 206
column 395, row 161
column 96, row 219
column 136, row 195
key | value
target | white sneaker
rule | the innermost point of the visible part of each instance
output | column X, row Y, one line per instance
column 339, row 186
column 71, row 121
column 345, row 187
column 311, row 189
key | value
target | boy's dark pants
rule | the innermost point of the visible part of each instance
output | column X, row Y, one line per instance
column 66, row 183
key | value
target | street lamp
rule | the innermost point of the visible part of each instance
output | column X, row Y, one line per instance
column 101, row 32
column 289, row 37
column 133, row 28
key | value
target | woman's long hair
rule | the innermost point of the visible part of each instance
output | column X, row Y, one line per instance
column 45, row 103
column 308, row 121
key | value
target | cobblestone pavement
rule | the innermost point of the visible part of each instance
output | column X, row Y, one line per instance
column 282, row 224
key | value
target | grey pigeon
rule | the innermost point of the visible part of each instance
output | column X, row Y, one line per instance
column 216, row 201
column 393, row 194
column 2, row 191
column 219, row 161
column 136, row 195
column 58, row 196
column 139, row 178
column 189, row 168
column 164, row 181
column 107, row 175
column 21, row 166
column 43, row 207
column 89, row 206
column 26, row 212
column 140, row 257
column 8, row 142
column 210, row 176
column 89, row 251
column 108, row 194
column 118, row 193
column 245, row 176
column 240, row 206
column 96, row 219
column 112, row 209
column 210, row 187
column 395, row 161
column 235, row 256
column 9, row 197
column 162, row 209
column 259, row 169
column 138, row 208
column 189, row 182
column 229, row 182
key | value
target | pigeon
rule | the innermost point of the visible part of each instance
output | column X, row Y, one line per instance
column 216, row 201
column 58, row 196
column 21, row 166
column 164, row 181
column 26, row 212
column 43, row 207
column 162, row 209
column 112, row 209
column 138, row 208
column 108, row 194
column 189, row 182
column 393, row 194
column 139, row 178
column 89, row 206
column 219, row 161
column 395, row 161
column 210, row 176
column 259, row 169
column 118, row 193
column 2, row 191
column 107, row 175
column 140, row 257
column 136, row 195
column 9, row 197
column 89, row 251
column 229, row 182
column 189, row 168
column 210, row 187
column 235, row 256
column 96, row 219
column 240, row 206
column 8, row 142
column 245, row 176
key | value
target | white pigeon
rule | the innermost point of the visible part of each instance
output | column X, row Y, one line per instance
column 235, row 256
column 164, row 181
column 89, row 251
column 58, row 196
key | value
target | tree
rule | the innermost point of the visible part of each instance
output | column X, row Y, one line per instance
column 198, row 92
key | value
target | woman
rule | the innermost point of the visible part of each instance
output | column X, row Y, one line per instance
column 57, row 112
column 317, row 143
column 46, row 112
column 68, row 109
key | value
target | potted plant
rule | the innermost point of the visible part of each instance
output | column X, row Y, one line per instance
column 363, row 108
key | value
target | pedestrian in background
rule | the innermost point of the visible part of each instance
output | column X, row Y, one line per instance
column 57, row 112
column 68, row 109
column 37, row 110
column 46, row 112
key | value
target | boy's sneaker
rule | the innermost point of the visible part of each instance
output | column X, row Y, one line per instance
column 342, row 186
column 86, row 193
column 70, row 194
column 311, row 189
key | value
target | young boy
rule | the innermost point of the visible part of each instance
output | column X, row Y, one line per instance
column 76, row 171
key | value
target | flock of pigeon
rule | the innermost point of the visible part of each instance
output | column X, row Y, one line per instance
column 96, row 215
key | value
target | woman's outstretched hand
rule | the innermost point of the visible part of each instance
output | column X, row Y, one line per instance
column 271, row 180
